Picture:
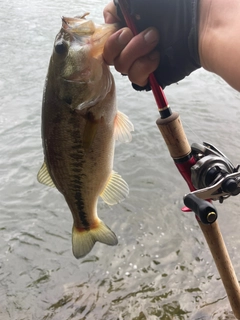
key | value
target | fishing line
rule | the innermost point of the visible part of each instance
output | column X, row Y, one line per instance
column 198, row 136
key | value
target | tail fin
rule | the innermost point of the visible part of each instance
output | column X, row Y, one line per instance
column 83, row 241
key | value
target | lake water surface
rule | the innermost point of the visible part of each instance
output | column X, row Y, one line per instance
column 161, row 268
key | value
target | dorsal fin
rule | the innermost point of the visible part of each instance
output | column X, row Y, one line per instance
column 44, row 176
column 116, row 189
column 123, row 128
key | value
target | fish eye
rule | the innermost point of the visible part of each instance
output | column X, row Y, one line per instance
column 61, row 47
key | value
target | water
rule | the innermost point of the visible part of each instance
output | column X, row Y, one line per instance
column 162, row 268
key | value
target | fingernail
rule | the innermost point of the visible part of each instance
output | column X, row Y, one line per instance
column 151, row 36
column 124, row 37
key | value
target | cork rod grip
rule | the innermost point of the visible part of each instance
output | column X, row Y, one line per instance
column 174, row 136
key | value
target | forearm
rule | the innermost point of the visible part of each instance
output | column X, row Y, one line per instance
column 219, row 39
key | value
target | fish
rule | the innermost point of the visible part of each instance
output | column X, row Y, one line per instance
column 80, row 124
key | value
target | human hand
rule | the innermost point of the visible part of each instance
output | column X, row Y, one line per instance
column 131, row 55
column 166, row 45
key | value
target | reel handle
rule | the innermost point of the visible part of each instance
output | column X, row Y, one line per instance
column 204, row 210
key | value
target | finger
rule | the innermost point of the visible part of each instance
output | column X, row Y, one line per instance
column 110, row 13
column 139, row 46
column 143, row 67
column 115, row 44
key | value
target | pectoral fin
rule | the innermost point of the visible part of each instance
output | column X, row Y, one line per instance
column 123, row 128
column 89, row 133
column 44, row 176
column 116, row 189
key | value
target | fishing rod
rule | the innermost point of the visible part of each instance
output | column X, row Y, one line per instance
column 208, row 173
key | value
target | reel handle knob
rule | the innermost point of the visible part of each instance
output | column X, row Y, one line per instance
column 229, row 185
column 203, row 209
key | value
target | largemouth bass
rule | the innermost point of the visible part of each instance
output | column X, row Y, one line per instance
column 80, row 124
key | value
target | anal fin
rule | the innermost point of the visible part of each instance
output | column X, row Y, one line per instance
column 116, row 189
column 44, row 176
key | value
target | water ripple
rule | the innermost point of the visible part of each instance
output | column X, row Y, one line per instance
column 161, row 268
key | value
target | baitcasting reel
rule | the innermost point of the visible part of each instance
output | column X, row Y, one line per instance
column 214, row 177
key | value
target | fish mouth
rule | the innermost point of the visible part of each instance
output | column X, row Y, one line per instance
column 79, row 27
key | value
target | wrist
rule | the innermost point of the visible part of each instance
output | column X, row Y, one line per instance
column 219, row 41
